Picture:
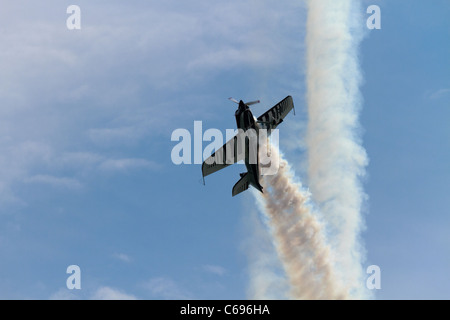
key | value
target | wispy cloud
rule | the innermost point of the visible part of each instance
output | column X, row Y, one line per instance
column 439, row 93
column 127, row 163
column 214, row 269
column 78, row 159
column 115, row 136
column 99, row 293
column 58, row 182
column 122, row 257
column 166, row 289
column 108, row 293
column 17, row 162
column 64, row 294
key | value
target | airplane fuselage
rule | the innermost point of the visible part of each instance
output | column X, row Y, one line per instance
column 244, row 117
column 246, row 121
column 244, row 146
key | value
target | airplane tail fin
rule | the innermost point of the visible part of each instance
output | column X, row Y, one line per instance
column 242, row 184
column 258, row 187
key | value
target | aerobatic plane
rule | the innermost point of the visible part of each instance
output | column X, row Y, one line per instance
column 243, row 147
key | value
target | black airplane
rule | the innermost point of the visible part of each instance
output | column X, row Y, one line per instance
column 244, row 145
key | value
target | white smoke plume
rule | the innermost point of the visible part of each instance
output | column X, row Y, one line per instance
column 319, row 266
column 299, row 238
column 335, row 156
column 266, row 274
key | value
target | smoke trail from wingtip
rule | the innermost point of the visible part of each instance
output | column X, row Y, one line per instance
column 335, row 156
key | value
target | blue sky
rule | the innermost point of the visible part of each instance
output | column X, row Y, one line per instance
column 86, row 118
column 406, row 121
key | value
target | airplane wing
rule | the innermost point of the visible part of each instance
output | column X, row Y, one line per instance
column 231, row 152
column 275, row 115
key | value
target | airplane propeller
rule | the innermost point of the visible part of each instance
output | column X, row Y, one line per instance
column 247, row 103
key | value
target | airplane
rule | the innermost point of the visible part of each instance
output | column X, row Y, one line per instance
column 245, row 120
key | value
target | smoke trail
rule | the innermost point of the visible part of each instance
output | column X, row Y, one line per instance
column 319, row 268
column 335, row 156
column 267, row 276
column 299, row 238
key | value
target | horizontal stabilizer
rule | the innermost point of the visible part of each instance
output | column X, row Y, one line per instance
column 242, row 184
